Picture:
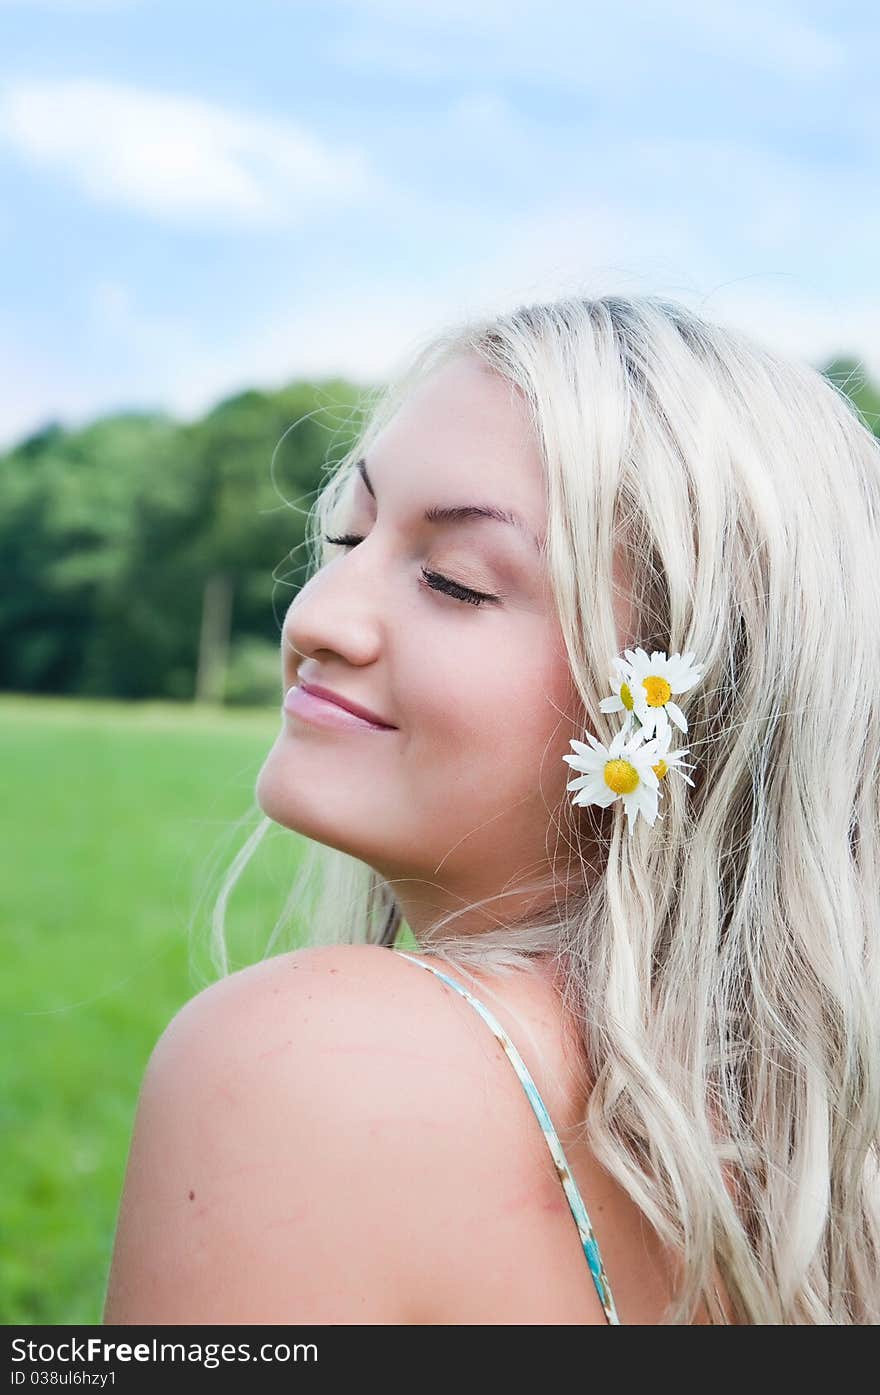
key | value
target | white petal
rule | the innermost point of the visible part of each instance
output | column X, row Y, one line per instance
column 603, row 800
column 585, row 759
column 677, row 716
column 638, row 659
column 647, row 802
column 583, row 749
column 583, row 770
column 687, row 673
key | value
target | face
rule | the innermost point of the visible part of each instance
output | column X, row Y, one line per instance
column 454, row 802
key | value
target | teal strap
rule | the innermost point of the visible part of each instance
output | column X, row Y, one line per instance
column 575, row 1202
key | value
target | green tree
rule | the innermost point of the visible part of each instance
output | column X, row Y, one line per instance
column 214, row 553
column 66, row 505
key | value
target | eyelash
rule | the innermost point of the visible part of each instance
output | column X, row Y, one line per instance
column 432, row 580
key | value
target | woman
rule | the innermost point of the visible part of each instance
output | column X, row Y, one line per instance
column 573, row 545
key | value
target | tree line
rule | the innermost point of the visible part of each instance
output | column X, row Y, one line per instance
column 142, row 557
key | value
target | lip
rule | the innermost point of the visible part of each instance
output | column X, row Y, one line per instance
column 323, row 708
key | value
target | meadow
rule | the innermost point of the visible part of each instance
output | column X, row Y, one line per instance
column 118, row 820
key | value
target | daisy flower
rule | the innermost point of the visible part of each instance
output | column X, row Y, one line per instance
column 670, row 760
column 624, row 770
column 622, row 699
column 645, row 687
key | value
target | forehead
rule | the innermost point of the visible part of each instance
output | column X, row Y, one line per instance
column 463, row 432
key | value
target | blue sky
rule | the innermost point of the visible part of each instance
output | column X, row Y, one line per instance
column 198, row 196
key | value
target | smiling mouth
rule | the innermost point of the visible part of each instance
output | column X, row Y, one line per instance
column 299, row 702
column 328, row 695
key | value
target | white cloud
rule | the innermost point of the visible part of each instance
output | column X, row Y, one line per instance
column 812, row 327
column 606, row 247
column 36, row 390
column 759, row 201
column 138, row 336
column 177, row 363
column 188, row 367
column 368, row 328
column 178, row 158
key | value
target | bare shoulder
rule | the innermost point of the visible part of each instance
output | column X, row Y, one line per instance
column 277, row 1164
column 333, row 1136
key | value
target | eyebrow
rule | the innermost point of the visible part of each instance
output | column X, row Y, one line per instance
column 462, row 513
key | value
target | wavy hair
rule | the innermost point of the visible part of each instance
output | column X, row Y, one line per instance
column 722, row 970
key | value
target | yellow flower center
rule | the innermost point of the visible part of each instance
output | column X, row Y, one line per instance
column 658, row 691
column 626, row 697
column 621, row 776
column 660, row 769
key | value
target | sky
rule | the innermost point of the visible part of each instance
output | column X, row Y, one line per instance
column 198, row 197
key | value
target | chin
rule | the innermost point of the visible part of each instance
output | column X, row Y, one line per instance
column 285, row 799
column 324, row 814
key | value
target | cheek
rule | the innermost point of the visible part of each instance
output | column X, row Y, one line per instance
column 519, row 714
column 548, row 708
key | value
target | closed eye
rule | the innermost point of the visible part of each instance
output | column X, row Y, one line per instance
column 433, row 581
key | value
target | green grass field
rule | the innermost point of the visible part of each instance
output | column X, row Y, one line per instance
column 118, row 819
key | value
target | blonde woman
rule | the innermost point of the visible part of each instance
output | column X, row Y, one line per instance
column 628, row 1069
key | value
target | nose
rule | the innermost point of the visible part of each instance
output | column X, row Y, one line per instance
column 336, row 612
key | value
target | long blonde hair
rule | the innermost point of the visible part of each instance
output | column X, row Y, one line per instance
column 723, row 971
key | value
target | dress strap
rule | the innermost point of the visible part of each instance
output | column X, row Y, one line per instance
column 573, row 1196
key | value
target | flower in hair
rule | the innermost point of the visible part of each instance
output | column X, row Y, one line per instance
column 633, row 765
column 645, row 686
column 671, row 760
column 624, row 770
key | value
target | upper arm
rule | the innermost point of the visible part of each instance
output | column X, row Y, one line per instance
column 271, row 1172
